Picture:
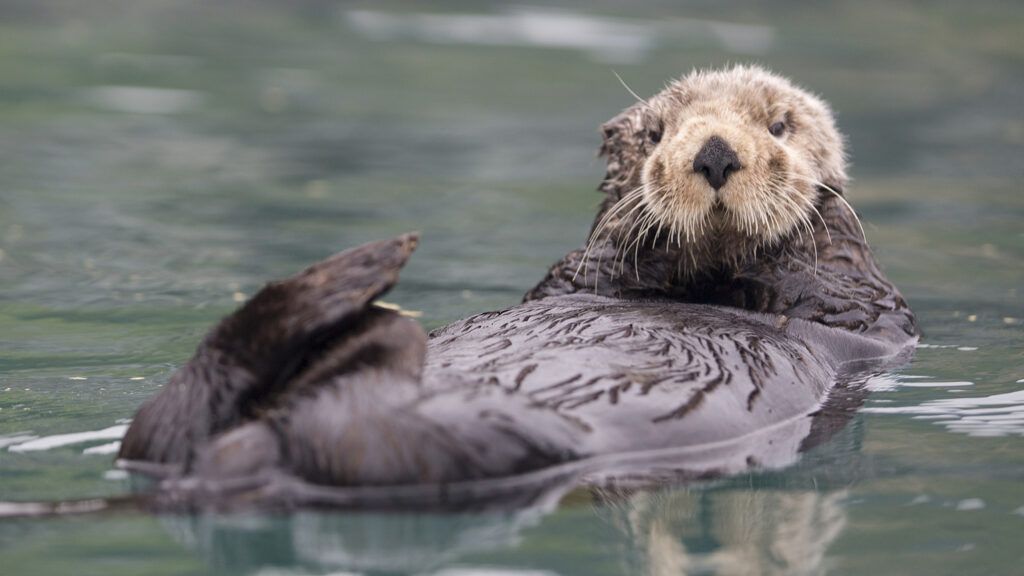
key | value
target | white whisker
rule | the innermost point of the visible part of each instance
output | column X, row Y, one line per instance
column 630, row 90
column 624, row 202
column 823, row 224
column 844, row 201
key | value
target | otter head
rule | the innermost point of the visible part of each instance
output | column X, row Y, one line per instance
column 719, row 165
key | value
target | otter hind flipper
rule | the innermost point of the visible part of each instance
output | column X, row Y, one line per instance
column 250, row 359
column 306, row 430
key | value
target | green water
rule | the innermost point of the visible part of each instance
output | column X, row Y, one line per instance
column 159, row 160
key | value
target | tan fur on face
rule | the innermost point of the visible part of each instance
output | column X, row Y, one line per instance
column 770, row 198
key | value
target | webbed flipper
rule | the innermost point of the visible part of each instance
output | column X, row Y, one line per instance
column 251, row 358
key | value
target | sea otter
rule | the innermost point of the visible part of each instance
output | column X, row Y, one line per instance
column 725, row 287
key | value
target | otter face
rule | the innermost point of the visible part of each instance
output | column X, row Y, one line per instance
column 722, row 163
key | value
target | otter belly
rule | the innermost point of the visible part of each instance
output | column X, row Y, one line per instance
column 594, row 375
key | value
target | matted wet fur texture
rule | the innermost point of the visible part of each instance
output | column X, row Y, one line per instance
column 657, row 206
column 778, row 235
column 734, row 288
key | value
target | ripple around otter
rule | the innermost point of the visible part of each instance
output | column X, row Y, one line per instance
column 984, row 416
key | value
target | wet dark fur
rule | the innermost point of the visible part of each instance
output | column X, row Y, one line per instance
column 844, row 288
column 668, row 349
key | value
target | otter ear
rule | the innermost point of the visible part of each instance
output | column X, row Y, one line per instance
column 619, row 130
column 622, row 146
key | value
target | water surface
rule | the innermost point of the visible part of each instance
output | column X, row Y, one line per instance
column 160, row 160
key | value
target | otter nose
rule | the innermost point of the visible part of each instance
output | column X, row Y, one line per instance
column 716, row 160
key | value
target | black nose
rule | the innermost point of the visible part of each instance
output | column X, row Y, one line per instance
column 716, row 160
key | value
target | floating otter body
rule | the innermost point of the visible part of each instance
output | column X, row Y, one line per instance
column 725, row 288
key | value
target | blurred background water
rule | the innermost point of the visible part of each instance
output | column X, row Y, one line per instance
column 160, row 160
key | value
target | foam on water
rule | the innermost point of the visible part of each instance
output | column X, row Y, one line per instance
column 59, row 440
column 16, row 439
column 109, row 448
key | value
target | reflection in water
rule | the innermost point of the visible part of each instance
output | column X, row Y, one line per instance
column 362, row 542
column 699, row 530
column 756, row 524
column 730, row 532
column 729, row 511
column 760, row 522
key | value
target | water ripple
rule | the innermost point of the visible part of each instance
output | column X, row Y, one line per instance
column 984, row 416
column 603, row 38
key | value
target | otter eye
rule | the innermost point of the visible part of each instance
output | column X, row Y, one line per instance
column 777, row 129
